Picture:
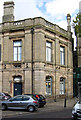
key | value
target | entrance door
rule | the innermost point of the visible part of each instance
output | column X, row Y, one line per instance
column 17, row 89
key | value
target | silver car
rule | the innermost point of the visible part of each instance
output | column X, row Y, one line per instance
column 21, row 102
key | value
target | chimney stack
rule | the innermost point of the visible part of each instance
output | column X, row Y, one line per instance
column 69, row 22
column 8, row 11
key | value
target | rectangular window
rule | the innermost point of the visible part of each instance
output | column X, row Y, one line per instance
column 48, row 51
column 0, row 52
column 17, row 50
column 62, row 55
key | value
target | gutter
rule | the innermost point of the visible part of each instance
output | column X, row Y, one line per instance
column 32, row 32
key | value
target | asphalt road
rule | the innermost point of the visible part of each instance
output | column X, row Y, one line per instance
column 52, row 111
column 62, row 114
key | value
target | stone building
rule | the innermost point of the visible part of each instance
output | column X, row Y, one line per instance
column 0, row 65
column 36, row 56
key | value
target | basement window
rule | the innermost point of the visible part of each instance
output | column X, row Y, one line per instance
column 17, row 65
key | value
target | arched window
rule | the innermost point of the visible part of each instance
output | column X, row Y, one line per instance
column 62, row 85
column 49, row 85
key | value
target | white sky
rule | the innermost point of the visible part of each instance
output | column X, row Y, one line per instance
column 54, row 11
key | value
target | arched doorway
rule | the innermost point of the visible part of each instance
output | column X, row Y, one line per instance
column 17, row 85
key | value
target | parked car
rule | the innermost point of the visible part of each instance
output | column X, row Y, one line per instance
column 21, row 102
column 40, row 98
column 76, row 111
column 4, row 96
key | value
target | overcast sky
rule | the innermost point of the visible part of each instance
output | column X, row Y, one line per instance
column 54, row 11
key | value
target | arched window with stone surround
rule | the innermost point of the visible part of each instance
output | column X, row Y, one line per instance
column 48, row 85
column 62, row 85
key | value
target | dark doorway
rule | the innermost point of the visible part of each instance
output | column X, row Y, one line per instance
column 17, row 89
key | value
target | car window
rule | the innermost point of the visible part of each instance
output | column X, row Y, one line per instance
column 41, row 96
column 17, row 98
column 2, row 94
column 6, row 94
column 34, row 98
column 26, row 98
column 79, row 102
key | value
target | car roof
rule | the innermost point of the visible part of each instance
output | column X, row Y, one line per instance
column 22, row 95
column 33, row 94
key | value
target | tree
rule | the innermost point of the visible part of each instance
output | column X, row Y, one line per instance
column 77, row 24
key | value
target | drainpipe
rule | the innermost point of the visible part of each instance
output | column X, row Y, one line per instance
column 55, row 70
column 32, row 32
column 2, row 77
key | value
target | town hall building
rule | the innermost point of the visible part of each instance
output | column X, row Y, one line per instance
column 36, row 56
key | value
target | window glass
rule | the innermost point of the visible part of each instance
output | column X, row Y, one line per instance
column 48, row 44
column 41, row 96
column 17, row 50
column 19, row 53
column 15, row 54
column 17, row 43
column 49, row 85
column 26, row 98
column 17, row 79
column 34, row 98
column 62, row 55
column 18, row 98
column 62, row 85
column 48, row 51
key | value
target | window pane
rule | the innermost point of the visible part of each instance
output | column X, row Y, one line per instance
column 61, row 88
column 48, row 52
column 17, row 50
column 19, row 53
column 48, row 44
column 17, row 79
column 62, row 55
column 25, row 98
column 49, row 85
column 49, row 59
column 17, row 43
column 61, row 49
column 17, row 99
column 63, row 58
column 62, row 85
column 15, row 54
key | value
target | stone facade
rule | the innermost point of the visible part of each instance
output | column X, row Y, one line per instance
column 37, row 75
column 0, row 64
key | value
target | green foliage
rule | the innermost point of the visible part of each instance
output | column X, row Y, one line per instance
column 77, row 24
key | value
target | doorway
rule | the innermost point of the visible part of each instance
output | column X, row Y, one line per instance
column 17, row 85
column 17, row 89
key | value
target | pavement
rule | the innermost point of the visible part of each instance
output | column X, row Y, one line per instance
column 52, row 106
